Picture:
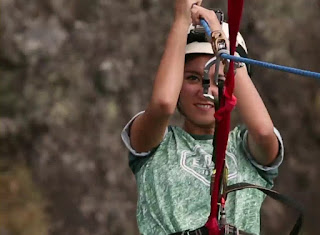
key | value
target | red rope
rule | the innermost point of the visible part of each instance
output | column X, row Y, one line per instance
column 222, row 116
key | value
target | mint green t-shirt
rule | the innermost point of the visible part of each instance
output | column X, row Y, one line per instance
column 173, row 182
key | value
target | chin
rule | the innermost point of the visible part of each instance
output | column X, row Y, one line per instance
column 205, row 123
column 202, row 121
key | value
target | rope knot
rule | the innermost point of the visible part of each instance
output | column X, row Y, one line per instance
column 230, row 102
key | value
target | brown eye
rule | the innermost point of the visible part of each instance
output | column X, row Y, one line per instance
column 193, row 78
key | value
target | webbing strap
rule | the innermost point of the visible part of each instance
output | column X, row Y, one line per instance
column 223, row 115
column 275, row 195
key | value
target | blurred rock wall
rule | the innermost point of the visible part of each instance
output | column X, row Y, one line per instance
column 74, row 72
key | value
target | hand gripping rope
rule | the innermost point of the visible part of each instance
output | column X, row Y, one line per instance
column 225, row 104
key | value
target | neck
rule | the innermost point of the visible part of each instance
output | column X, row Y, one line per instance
column 195, row 129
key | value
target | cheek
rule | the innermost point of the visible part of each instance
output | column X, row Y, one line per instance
column 186, row 92
column 187, row 97
column 214, row 90
column 189, row 89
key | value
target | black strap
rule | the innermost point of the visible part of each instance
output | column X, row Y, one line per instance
column 276, row 196
column 199, row 231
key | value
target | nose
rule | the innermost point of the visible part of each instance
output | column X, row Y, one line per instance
column 213, row 90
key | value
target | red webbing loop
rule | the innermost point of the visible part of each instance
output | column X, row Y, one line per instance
column 223, row 115
column 230, row 102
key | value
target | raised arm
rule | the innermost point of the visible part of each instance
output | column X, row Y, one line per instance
column 262, row 142
column 148, row 129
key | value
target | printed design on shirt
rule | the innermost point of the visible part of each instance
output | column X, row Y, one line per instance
column 199, row 164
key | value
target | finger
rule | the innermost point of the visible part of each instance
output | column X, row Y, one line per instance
column 208, row 15
column 197, row 3
column 195, row 16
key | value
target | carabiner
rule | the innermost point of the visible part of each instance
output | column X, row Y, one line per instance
column 206, row 79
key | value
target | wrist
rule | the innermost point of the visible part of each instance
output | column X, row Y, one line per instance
column 182, row 21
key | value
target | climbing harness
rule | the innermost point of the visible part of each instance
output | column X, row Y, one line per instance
column 224, row 103
column 217, row 225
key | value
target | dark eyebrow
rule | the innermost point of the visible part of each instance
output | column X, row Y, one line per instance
column 197, row 73
column 193, row 72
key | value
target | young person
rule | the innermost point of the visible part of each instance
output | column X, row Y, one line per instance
column 173, row 165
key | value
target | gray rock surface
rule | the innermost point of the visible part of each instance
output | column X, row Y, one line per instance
column 74, row 72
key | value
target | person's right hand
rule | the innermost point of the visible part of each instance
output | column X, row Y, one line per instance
column 198, row 13
column 183, row 9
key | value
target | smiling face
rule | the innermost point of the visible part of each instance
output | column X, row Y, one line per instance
column 198, row 111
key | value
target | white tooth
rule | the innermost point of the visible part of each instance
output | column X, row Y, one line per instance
column 204, row 106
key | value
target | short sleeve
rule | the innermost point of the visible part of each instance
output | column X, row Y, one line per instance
column 125, row 135
column 267, row 172
column 136, row 159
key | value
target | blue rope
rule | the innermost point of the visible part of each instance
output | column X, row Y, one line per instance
column 206, row 27
column 272, row 66
column 261, row 63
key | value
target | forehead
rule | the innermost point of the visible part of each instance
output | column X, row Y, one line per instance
column 197, row 63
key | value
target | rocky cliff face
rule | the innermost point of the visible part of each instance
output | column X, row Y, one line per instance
column 74, row 72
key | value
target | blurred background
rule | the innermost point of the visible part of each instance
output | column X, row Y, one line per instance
column 74, row 72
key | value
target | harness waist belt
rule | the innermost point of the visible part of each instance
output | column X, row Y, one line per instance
column 199, row 231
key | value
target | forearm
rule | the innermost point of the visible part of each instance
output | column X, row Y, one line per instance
column 169, row 78
column 262, row 141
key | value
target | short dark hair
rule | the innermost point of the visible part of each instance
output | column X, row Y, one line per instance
column 189, row 57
